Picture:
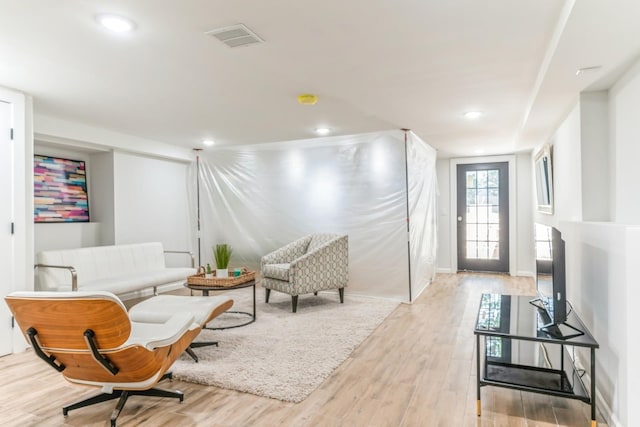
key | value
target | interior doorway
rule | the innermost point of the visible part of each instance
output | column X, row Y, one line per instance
column 6, row 224
column 483, row 217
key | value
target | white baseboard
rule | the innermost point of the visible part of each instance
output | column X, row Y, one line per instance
column 445, row 270
column 525, row 273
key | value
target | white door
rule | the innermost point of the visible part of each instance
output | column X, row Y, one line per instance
column 6, row 219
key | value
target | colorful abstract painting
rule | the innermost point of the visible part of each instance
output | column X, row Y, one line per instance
column 60, row 190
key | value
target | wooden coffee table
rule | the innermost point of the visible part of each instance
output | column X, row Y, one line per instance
column 249, row 283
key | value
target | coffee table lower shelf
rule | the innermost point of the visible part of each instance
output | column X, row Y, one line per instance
column 205, row 292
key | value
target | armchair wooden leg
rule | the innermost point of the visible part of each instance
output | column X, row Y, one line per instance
column 267, row 292
column 315, row 293
column 294, row 303
column 341, row 291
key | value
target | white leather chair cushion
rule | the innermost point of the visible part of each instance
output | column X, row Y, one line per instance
column 153, row 335
column 160, row 308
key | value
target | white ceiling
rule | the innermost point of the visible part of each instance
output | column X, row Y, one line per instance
column 374, row 64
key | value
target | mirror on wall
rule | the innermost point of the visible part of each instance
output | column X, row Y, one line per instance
column 544, row 180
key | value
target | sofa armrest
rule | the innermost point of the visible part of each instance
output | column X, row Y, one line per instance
column 193, row 260
column 72, row 270
column 287, row 253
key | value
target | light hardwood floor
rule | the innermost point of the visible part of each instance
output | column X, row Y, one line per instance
column 416, row 369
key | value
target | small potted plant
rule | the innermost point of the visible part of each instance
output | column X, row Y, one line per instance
column 222, row 254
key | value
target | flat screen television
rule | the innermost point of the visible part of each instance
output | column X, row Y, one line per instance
column 551, row 281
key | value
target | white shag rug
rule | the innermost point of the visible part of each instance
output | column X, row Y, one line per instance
column 283, row 355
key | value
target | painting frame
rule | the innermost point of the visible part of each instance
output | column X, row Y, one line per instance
column 60, row 191
column 543, row 170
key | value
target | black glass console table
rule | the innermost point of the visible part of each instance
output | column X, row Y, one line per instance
column 517, row 354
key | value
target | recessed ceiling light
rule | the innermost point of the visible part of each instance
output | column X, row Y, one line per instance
column 479, row 151
column 208, row 142
column 472, row 115
column 115, row 23
column 323, row 131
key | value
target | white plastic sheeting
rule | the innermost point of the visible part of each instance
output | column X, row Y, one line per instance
column 422, row 186
column 261, row 197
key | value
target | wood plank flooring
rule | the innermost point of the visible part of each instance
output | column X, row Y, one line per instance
column 416, row 369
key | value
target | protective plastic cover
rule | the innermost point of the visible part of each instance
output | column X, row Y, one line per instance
column 261, row 197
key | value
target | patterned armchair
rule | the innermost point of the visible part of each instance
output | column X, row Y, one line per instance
column 313, row 263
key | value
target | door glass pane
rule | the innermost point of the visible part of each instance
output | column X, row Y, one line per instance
column 483, row 230
column 494, row 250
column 493, row 178
column 482, row 179
column 471, row 179
column 493, row 196
column 494, row 214
column 483, row 250
column 472, row 215
column 471, row 197
column 494, row 232
column 482, row 214
column 472, row 252
column 472, row 230
column 482, row 196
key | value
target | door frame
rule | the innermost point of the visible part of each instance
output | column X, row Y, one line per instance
column 22, row 109
column 453, row 191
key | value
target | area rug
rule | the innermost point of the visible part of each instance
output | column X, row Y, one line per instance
column 283, row 355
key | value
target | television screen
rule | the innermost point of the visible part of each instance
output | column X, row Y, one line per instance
column 60, row 190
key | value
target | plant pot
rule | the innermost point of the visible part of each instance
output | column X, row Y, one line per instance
column 222, row 273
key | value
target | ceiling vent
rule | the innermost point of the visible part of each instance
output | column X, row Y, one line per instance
column 236, row 36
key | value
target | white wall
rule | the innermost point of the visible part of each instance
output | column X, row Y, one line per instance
column 101, row 196
column 600, row 268
column 566, row 170
column 137, row 189
column 524, row 216
column 150, row 201
column 56, row 130
column 68, row 235
column 633, row 296
column 594, row 130
column 625, row 138
column 443, row 260
column 602, row 257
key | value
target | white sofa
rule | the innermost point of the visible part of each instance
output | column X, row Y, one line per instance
column 124, row 270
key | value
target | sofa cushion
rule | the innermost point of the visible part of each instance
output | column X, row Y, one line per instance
column 123, row 283
column 276, row 271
